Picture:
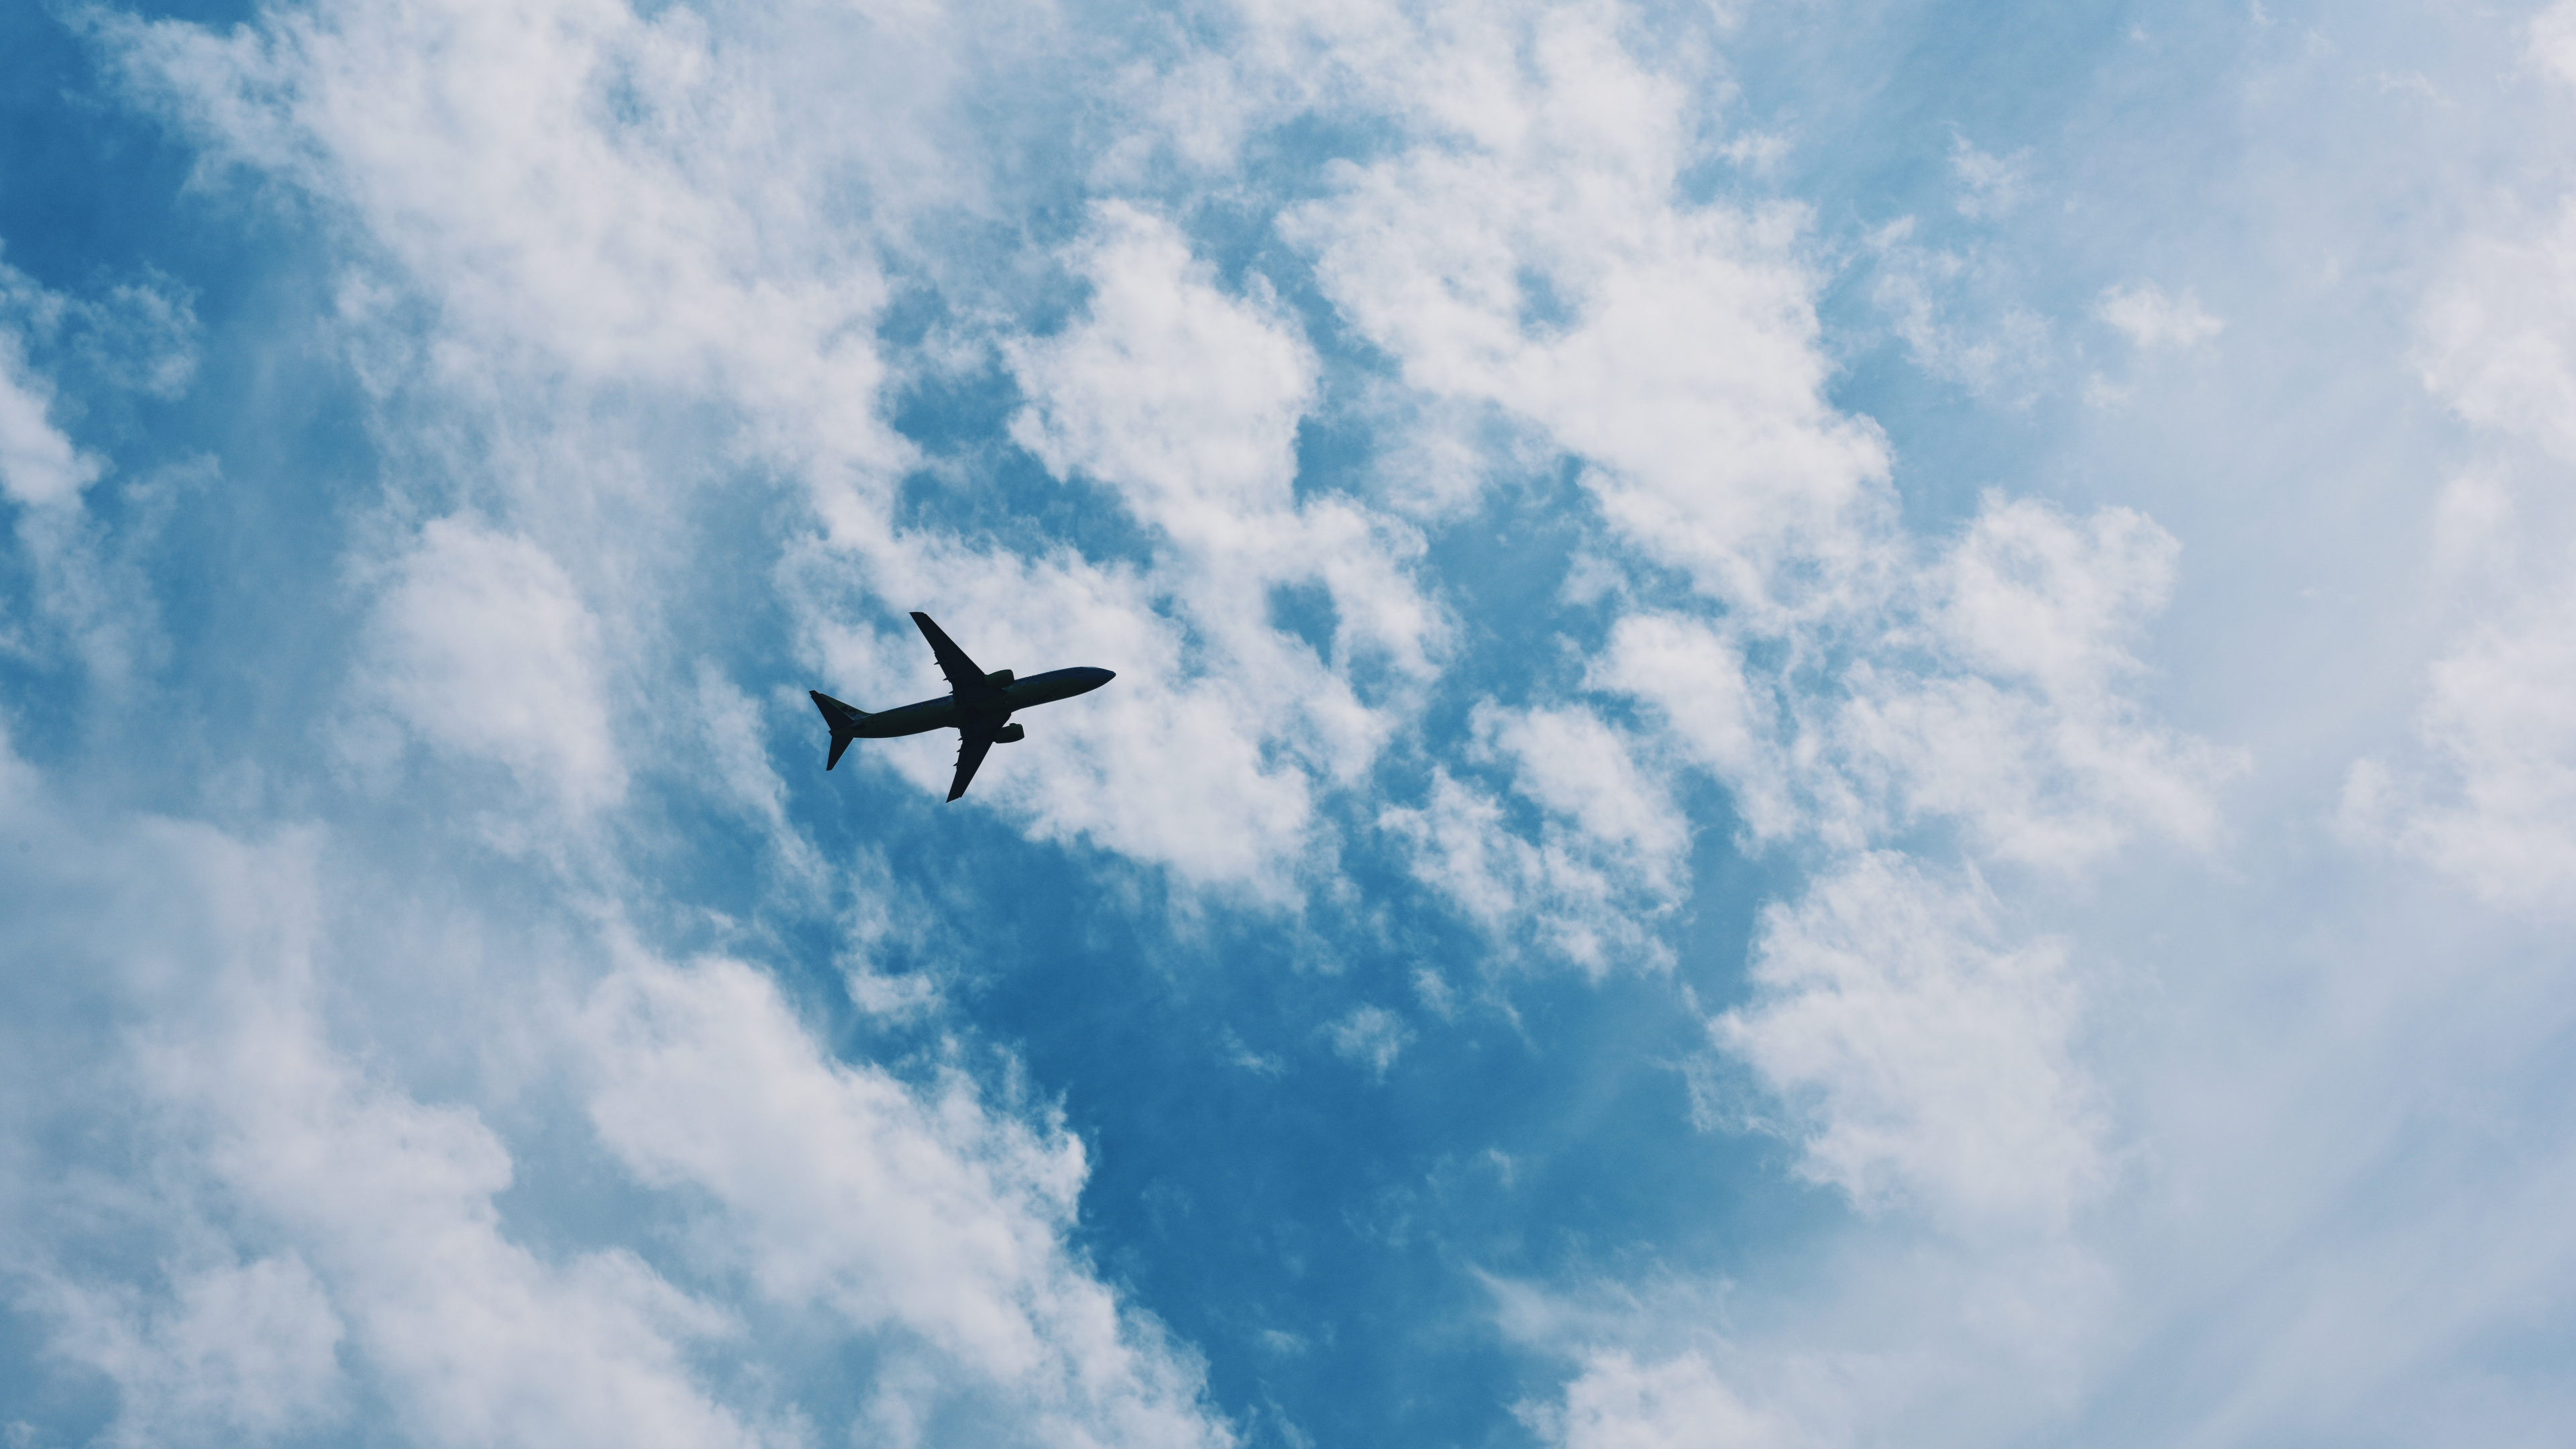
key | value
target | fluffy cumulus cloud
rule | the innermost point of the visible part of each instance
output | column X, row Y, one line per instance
column 484, row 650
column 332, row 1246
column 1996, row 693
column 1919, row 1056
column 1187, row 401
column 481, row 150
column 704, row 1079
column 136, row 337
column 235, row 1352
column 1668, row 861
column 37, row 463
column 2031, row 738
column 1528, row 252
column 2489, row 803
column 313, row 1220
column 1184, row 398
column 1721, row 716
column 1608, row 857
column 2495, row 333
column 2499, row 710
column 1577, row 310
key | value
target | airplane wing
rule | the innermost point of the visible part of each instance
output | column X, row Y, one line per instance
column 964, row 678
column 972, row 746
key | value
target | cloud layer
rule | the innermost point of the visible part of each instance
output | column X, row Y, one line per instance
column 1798, row 756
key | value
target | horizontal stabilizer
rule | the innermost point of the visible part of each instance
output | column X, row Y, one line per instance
column 844, row 721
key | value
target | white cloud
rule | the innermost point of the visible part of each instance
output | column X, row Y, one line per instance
column 1523, row 251
column 89, row 593
column 2031, row 738
column 1759, row 152
column 311, row 1211
column 2500, row 718
column 1187, row 401
column 1461, row 847
column 1565, row 892
column 1581, row 770
column 1942, row 305
column 332, row 1238
column 2028, row 594
column 2552, row 40
column 744, row 777
column 1991, row 187
column 485, row 650
column 476, row 1338
column 1184, row 398
column 138, row 335
column 2487, row 801
column 2496, row 337
column 1611, row 855
column 1991, row 686
column 479, row 149
column 2148, row 317
column 2473, row 528
column 38, row 464
column 1583, row 309
column 1680, row 1403
column 841, row 1188
column 1925, row 1060
column 1723, row 719
column 1370, row 1036
column 235, row 1352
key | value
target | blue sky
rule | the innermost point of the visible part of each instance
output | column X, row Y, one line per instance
column 1836, row 724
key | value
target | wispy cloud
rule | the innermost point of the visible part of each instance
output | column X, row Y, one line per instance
column 1990, row 187
column 2148, row 317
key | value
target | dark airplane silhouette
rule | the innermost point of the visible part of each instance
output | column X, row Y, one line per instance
column 976, row 707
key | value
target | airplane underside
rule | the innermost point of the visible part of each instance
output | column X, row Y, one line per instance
column 978, row 707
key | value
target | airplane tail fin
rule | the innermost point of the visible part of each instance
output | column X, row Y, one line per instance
column 844, row 721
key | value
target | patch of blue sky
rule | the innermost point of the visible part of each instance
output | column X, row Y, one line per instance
column 978, row 484
column 1344, row 1213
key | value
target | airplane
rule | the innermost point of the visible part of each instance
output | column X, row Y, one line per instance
column 977, row 707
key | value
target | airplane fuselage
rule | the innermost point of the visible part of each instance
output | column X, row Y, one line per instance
column 950, row 712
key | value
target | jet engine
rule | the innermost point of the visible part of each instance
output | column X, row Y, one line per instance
column 999, row 679
column 1010, row 735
